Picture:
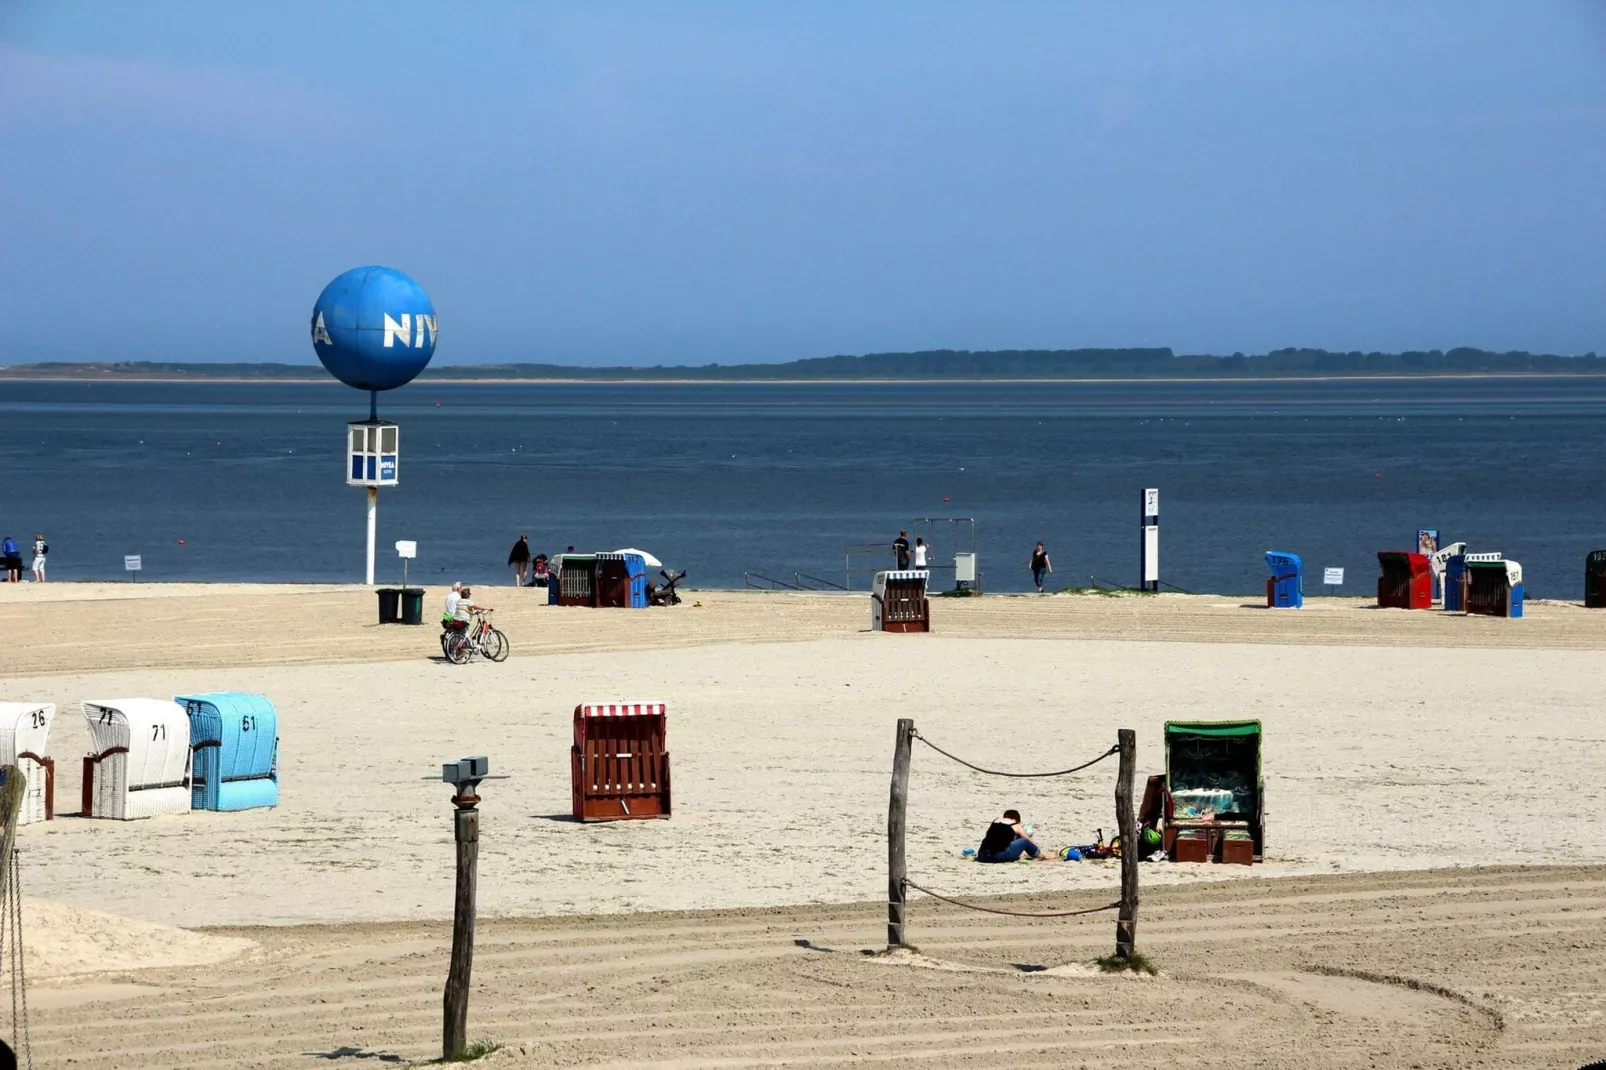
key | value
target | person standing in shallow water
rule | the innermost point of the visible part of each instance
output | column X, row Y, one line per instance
column 519, row 559
column 1041, row 566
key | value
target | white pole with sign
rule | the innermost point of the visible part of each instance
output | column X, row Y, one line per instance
column 1149, row 547
column 372, row 455
column 406, row 549
column 131, row 565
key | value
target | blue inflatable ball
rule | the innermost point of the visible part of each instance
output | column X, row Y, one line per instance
column 374, row 328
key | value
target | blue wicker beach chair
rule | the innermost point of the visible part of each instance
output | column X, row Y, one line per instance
column 236, row 741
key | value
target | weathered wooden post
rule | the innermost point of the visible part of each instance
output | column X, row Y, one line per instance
column 897, row 870
column 1126, row 924
column 464, row 775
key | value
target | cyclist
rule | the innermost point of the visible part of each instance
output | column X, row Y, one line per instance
column 465, row 609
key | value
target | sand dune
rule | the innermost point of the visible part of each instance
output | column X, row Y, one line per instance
column 63, row 940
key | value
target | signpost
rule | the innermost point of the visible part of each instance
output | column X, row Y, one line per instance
column 131, row 564
column 1332, row 577
column 406, row 549
column 464, row 775
column 1149, row 546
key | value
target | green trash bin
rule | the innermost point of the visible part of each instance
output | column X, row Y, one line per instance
column 412, row 605
column 389, row 605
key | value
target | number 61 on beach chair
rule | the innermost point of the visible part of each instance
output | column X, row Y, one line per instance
column 235, row 739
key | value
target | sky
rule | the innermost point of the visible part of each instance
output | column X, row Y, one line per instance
column 645, row 183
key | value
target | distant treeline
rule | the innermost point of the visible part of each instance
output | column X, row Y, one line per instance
column 930, row 364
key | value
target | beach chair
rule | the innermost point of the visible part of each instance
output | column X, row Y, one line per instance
column 577, row 580
column 898, row 601
column 619, row 762
column 1406, row 582
column 1595, row 580
column 24, row 739
column 1285, row 588
column 139, row 765
column 1214, row 790
column 621, row 581
column 235, row 740
column 1494, row 588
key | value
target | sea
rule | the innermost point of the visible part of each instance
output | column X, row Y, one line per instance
column 808, row 484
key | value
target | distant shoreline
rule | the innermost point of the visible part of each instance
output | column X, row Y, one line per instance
column 878, row 381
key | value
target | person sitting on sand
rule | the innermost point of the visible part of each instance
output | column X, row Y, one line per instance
column 1006, row 840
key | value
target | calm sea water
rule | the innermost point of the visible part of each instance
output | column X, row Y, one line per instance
column 779, row 479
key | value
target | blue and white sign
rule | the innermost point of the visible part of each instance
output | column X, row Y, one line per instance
column 372, row 452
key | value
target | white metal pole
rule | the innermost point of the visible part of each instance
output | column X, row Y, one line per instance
column 373, row 528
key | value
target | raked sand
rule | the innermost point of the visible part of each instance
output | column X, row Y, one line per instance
column 1394, row 742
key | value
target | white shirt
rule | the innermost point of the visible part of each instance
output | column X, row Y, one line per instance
column 920, row 555
column 452, row 598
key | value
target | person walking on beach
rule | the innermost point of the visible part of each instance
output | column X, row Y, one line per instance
column 1041, row 566
column 900, row 551
column 519, row 558
column 920, row 553
column 40, row 549
column 11, row 559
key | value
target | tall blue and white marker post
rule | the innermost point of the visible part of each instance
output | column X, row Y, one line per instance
column 374, row 329
column 1149, row 546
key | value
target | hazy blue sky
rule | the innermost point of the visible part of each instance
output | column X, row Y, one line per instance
column 669, row 182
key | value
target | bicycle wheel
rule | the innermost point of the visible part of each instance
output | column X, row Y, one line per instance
column 496, row 645
column 458, row 649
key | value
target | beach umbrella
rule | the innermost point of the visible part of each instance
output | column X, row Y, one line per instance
column 646, row 558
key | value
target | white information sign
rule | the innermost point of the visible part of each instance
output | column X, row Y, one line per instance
column 1151, row 501
column 131, row 562
column 1333, row 577
column 406, row 548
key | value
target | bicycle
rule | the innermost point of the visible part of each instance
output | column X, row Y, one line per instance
column 478, row 638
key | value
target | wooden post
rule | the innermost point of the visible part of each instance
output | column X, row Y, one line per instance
column 897, row 870
column 454, row 1039
column 1127, row 924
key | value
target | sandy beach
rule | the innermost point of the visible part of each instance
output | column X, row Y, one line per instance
column 1428, row 776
